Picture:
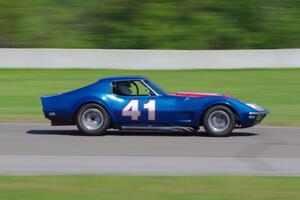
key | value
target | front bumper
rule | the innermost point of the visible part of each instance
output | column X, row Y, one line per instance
column 258, row 116
column 249, row 119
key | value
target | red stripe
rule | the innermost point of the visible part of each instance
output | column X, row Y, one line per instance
column 191, row 94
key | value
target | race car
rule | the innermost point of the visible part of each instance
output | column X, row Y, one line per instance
column 135, row 102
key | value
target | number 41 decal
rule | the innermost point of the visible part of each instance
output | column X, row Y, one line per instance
column 132, row 110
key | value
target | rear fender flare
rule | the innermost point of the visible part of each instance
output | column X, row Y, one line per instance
column 98, row 101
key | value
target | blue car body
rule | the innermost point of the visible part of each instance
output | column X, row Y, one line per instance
column 184, row 109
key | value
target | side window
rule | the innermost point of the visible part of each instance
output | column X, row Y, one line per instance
column 131, row 88
column 141, row 89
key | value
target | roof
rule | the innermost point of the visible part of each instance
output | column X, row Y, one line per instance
column 121, row 78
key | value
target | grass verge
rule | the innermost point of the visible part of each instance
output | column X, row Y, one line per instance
column 148, row 187
column 275, row 89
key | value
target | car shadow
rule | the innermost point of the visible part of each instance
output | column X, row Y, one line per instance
column 136, row 133
column 55, row 132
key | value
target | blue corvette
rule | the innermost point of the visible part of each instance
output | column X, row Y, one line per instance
column 136, row 102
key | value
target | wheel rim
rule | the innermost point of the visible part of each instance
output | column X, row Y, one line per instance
column 218, row 121
column 92, row 119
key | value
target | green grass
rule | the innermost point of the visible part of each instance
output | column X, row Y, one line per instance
column 275, row 89
column 148, row 187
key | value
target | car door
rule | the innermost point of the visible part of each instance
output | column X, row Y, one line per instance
column 153, row 110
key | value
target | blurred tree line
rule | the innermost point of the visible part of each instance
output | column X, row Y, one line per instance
column 145, row 24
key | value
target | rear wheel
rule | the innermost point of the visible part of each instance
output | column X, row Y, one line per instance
column 92, row 119
column 219, row 121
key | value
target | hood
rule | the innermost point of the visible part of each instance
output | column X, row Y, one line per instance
column 195, row 94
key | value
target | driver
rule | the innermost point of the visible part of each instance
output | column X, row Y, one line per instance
column 123, row 88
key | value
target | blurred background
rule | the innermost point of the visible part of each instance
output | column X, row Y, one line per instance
column 132, row 24
column 84, row 34
column 93, row 27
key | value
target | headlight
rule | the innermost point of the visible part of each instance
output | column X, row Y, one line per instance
column 255, row 106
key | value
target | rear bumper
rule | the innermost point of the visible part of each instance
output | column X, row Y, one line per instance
column 61, row 123
column 58, row 119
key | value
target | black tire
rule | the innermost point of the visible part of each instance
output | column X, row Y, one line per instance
column 229, row 118
column 96, row 110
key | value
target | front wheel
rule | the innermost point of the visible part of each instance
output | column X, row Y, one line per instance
column 92, row 119
column 219, row 121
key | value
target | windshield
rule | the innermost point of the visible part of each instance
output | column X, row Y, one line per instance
column 155, row 87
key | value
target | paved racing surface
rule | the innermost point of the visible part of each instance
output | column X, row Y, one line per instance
column 42, row 149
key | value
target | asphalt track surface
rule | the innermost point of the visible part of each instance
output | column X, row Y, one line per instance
column 42, row 149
